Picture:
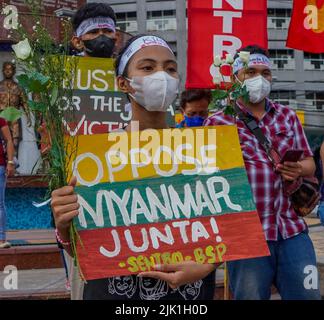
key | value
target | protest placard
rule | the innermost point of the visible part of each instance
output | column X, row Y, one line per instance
column 163, row 196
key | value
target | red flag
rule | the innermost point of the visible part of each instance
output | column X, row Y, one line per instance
column 306, row 31
column 218, row 27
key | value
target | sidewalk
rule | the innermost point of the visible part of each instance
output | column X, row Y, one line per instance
column 316, row 232
column 40, row 273
column 37, row 284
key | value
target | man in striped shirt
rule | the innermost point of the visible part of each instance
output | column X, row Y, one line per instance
column 292, row 252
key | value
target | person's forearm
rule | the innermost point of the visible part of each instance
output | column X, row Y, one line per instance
column 65, row 234
column 308, row 167
column 10, row 150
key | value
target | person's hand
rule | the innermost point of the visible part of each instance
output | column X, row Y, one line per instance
column 290, row 171
column 10, row 170
column 65, row 207
column 179, row 274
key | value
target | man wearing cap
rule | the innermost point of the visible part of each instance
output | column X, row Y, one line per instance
column 291, row 267
column 94, row 26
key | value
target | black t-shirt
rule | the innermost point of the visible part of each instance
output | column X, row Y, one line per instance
column 137, row 288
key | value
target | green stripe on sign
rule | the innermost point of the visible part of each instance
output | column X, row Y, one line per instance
column 163, row 199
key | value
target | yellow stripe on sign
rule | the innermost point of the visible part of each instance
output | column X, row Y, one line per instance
column 301, row 116
column 121, row 156
column 95, row 74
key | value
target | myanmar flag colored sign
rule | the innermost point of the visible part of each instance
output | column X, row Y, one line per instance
column 163, row 196
column 306, row 31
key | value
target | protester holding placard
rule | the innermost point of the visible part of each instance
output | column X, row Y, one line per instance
column 194, row 107
column 147, row 73
column 292, row 251
column 7, row 169
column 94, row 26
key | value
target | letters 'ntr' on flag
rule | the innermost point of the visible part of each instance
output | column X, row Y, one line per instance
column 218, row 27
column 306, row 31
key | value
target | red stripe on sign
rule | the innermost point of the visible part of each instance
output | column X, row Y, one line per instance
column 120, row 251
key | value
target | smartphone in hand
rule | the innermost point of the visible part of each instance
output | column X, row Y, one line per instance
column 292, row 156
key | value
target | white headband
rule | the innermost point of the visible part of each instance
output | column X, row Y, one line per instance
column 138, row 44
column 95, row 23
column 256, row 59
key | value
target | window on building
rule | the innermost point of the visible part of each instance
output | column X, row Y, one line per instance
column 315, row 100
column 278, row 18
column 283, row 59
column 126, row 21
column 287, row 98
column 313, row 61
column 162, row 20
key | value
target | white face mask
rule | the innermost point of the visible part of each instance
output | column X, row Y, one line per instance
column 258, row 87
column 155, row 92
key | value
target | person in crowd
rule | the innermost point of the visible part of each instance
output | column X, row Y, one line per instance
column 145, row 65
column 286, row 232
column 319, row 160
column 12, row 95
column 194, row 107
column 94, row 26
column 7, row 169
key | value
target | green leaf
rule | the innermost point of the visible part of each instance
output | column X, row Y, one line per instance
column 11, row 114
column 36, row 106
column 219, row 94
column 35, row 83
column 237, row 93
column 54, row 95
column 23, row 81
column 228, row 110
column 245, row 95
column 40, row 78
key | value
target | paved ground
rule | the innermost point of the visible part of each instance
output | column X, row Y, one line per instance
column 38, row 282
column 317, row 235
column 31, row 237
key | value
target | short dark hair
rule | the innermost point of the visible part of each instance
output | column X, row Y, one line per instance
column 92, row 10
column 254, row 49
column 188, row 96
column 8, row 63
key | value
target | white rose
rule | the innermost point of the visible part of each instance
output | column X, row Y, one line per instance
column 217, row 61
column 217, row 80
column 22, row 49
column 245, row 56
column 229, row 59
